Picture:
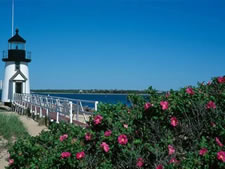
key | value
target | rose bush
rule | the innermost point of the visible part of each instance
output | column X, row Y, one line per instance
column 182, row 129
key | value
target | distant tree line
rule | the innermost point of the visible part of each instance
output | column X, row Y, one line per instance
column 90, row 91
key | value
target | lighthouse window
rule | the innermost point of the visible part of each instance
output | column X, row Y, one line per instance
column 17, row 65
column 17, row 46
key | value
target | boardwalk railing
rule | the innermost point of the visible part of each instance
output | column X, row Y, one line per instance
column 55, row 108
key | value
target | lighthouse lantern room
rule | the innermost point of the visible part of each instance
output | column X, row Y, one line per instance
column 16, row 77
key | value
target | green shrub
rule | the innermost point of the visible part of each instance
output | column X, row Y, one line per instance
column 180, row 130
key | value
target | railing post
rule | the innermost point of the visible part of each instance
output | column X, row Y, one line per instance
column 96, row 105
column 35, row 110
column 77, row 114
column 71, row 111
column 57, row 117
column 47, row 112
column 57, row 110
column 40, row 115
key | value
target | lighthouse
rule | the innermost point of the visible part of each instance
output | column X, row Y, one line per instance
column 16, row 77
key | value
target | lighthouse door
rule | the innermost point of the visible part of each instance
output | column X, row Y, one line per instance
column 19, row 88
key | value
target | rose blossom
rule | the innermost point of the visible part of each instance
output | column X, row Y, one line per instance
column 63, row 137
column 167, row 94
column 105, row 146
column 203, row 151
column 122, row 139
column 210, row 105
column 80, row 155
column 147, row 105
column 98, row 119
column 11, row 161
column 160, row 166
column 140, row 162
column 125, row 126
column 65, row 154
column 171, row 149
column 174, row 160
column 173, row 121
column 219, row 142
column 88, row 136
column 221, row 79
column 164, row 105
column 190, row 91
column 213, row 124
column 108, row 133
column 221, row 156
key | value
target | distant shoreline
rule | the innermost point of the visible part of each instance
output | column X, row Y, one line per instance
column 90, row 93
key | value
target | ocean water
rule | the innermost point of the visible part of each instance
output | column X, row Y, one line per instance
column 104, row 98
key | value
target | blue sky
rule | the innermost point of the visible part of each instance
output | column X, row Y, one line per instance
column 119, row 44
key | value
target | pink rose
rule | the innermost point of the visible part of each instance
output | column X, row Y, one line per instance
column 88, row 136
column 173, row 160
column 211, row 105
column 140, row 162
column 65, row 154
column 98, row 119
column 105, row 146
column 213, row 124
column 122, row 139
column 221, row 156
column 160, row 166
column 171, row 149
column 164, row 105
column 63, row 137
column 174, row 121
column 190, row 91
column 203, row 151
column 221, row 79
column 108, row 133
column 125, row 126
column 167, row 94
column 80, row 155
column 147, row 105
column 209, row 83
column 11, row 161
column 219, row 142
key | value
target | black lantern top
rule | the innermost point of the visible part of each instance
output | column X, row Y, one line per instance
column 16, row 38
column 17, row 50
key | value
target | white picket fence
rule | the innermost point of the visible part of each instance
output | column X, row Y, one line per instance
column 56, row 108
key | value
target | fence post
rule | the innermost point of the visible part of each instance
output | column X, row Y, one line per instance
column 57, row 117
column 96, row 105
column 40, row 115
column 35, row 110
column 31, row 109
column 47, row 112
column 77, row 114
column 71, row 111
column 57, row 110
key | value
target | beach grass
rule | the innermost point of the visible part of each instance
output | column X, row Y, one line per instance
column 11, row 127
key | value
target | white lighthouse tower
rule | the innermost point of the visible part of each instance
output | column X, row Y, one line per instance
column 16, row 77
